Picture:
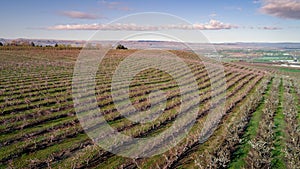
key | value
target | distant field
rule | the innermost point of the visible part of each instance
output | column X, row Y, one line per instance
column 39, row 127
column 270, row 59
column 289, row 70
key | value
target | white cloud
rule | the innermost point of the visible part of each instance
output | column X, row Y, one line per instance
column 79, row 15
column 212, row 25
column 281, row 8
column 233, row 8
column 216, row 25
column 115, row 5
column 212, row 15
column 115, row 27
column 270, row 28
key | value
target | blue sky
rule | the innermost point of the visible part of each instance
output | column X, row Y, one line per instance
column 218, row 20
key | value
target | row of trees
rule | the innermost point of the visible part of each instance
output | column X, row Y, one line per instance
column 18, row 43
column 32, row 44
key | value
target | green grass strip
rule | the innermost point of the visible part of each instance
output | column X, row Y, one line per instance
column 277, row 154
column 289, row 70
column 296, row 99
column 41, row 156
column 250, row 132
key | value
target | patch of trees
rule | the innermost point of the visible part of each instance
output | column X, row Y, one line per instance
column 122, row 47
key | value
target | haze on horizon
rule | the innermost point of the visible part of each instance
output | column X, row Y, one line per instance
column 219, row 21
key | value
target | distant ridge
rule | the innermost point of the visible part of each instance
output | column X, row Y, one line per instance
column 153, row 41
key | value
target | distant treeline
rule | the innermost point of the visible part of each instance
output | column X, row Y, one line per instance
column 21, row 45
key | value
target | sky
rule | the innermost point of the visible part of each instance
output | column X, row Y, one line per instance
column 217, row 20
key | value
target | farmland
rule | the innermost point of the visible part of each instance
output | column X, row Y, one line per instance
column 259, row 127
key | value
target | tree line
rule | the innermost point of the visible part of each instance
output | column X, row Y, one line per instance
column 32, row 45
column 27, row 44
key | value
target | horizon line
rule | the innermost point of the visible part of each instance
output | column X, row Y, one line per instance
column 145, row 40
